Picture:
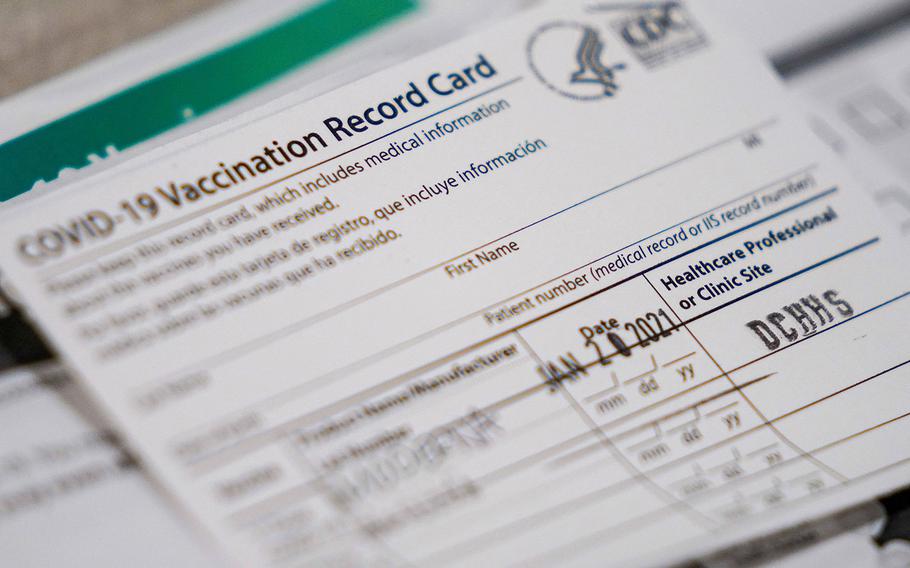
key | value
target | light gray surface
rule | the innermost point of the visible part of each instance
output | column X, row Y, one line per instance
column 43, row 38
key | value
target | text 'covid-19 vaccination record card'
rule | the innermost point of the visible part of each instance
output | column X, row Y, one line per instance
column 580, row 290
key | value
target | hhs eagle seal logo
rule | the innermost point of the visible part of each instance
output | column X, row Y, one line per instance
column 568, row 58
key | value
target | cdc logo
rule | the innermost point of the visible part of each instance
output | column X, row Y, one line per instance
column 659, row 33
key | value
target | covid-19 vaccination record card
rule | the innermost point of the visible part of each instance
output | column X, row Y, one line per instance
column 580, row 290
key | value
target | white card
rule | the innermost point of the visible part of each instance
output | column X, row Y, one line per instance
column 581, row 289
column 68, row 495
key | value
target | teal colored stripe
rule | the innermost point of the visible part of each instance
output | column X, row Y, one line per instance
column 168, row 100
